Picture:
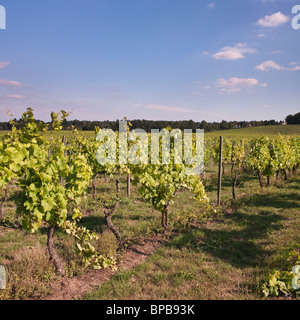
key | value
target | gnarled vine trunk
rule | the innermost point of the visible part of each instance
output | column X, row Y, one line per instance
column 95, row 187
column 165, row 217
column 234, row 185
column 6, row 196
column 108, row 214
column 268, row 181
column 53, row 254
column 118, row 185
column 294, row 168
column 232, row 167
column 285, row 174
column 261, row 179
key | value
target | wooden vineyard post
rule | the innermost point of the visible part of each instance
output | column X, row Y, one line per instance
column 64, row 141
column 220, row 172
column 128, row 184
column 118, row 185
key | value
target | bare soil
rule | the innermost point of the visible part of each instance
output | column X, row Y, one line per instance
column 75, row 288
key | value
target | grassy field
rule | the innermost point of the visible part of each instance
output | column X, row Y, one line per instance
column 270, row 131
column 225, row 256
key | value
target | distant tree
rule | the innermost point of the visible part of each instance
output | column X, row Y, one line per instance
column 293, row 119
column 224, row 125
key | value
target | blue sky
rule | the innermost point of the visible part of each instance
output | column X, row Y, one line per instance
column 150, row 59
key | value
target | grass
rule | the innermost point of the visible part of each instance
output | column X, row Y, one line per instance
column 221, row 257
column 252, row 132
column 14, row 241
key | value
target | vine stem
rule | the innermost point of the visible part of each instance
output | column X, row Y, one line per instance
column 6, row 196
column 108, row 215
column 95, row 187
column 52, row 252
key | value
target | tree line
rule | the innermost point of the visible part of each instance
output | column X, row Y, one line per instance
column 293, row 119
column 147, row 125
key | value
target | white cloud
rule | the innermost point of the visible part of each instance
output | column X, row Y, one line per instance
column 273, row 21
column 211, row 5
column 295, row 63
column 11, row 83
column 269, row 65
column 14, row 96
column 234, row 85
column 233, row 82
column 205, row 53
column 204, row 87
column 166, row 108
column 261, row 35
column 229, row 90
column 4, row 64
column 233, row 53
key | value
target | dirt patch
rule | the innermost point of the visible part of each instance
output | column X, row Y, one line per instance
column 4, row 230
column 75, row 288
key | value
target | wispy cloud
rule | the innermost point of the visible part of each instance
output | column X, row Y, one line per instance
column 211, row 5
column 295, row 63
column 166, row 108
column 273, row 20
column 233, row 53
column 4, row 64
column 205, row 87
column 234, row 85
column 200, row 88
column 205, row 53
column 268, row 106
column 14, row 96
column 261, row 35
column 11, row 83
column 271, row 65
